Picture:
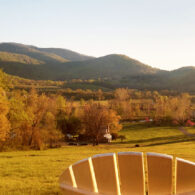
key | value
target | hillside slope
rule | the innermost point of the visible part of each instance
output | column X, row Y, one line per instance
column 67, row 54
column 31, row 52
column 108, row 67
column 18, row 58
column 112, row 70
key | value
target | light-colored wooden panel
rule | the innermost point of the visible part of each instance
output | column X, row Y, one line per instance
column 159, row 174
column 185, row 176
column 106, row 173
column 131, row 171
column 83, row 173
column 66, row 177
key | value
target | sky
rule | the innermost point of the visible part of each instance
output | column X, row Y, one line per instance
column 160, row 33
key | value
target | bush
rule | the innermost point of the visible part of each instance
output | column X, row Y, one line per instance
column 114, row 136
column 122, row 137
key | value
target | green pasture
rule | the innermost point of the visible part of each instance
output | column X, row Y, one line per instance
column 37, row 172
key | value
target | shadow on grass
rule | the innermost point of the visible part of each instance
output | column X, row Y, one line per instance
column 154, row 141
column 140, row 126
column 157, row 141
column 135, row 126
column 170, row 142
column 178, row 138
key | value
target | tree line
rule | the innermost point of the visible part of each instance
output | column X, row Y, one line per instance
column 29, row 119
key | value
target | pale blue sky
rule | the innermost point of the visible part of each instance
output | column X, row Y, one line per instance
column 160, row 33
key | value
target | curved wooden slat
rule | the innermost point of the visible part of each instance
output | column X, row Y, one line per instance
column 66, row 177
column 131, row 171
column 84, row 175
column 159, row 174
column 185, row 176
column 106, row 173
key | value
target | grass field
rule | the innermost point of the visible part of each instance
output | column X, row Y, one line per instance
column 37, row 172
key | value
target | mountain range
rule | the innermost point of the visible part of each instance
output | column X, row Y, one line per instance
column 36, row 63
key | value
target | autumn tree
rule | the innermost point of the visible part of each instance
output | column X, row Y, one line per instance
column 121, row 94
column 99, row 94
column 67, row 120
column 4, row 123
column 38, row 107
column 162, row 107
column 122, row 103
column 50, row 134
column 173, row 108
column 19, row 118
column 96, row 117
column 4, row 107
column 5, row 82
column 33, row 119
column 180, row 108
column 123, row 108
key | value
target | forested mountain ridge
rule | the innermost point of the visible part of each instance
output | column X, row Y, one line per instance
column 18, row 58
column 61, row 64
column 31, row 52
column 46, row 54
column 112, row 66
column 67, row 54
column 115, row 70
column 107, row 67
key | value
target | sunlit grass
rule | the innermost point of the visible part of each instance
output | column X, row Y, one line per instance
column 37, row 172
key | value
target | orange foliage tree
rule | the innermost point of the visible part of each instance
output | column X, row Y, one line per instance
column 96, row 117
column 4, row 109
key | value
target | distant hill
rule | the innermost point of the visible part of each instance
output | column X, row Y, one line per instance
column 112, row 67
column 108, row 67
column 112, row 70
column 18, row 58
column 183, row 78
column 31, row 52
column 45, row 54
column 62, row 64
column 67, row 54
column 181, row 72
